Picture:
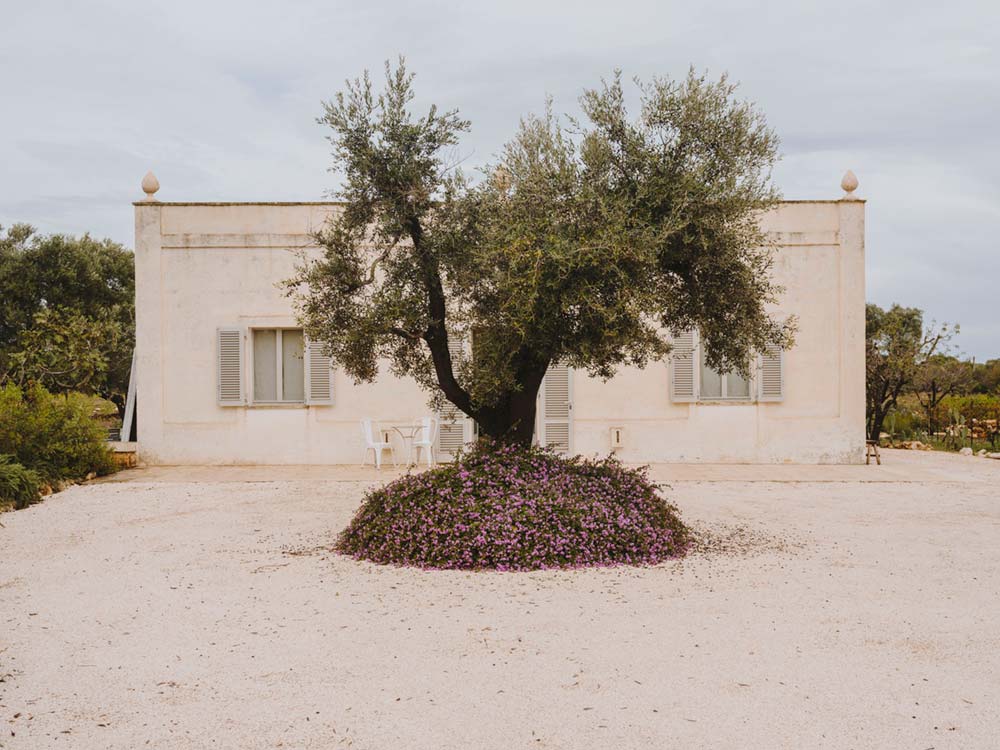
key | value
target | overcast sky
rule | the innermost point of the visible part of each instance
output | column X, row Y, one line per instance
column 219, row 99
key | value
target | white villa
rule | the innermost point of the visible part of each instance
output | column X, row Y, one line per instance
column 223, row 375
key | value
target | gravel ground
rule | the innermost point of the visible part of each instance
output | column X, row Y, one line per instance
column 207, row 614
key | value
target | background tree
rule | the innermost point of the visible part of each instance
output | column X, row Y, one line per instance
column 940, row 376
column 589, row 245
column 986, row 377
column 67, row 312
column 897, row 347
column 66, row 351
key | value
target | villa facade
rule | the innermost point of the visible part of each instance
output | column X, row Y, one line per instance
column 224, row 376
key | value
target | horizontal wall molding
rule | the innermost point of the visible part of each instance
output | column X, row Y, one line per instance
column 237, row 241
column 210, row 241
column 805, row 239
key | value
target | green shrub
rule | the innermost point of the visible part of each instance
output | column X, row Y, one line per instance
column 19, row 487
column 55, row 435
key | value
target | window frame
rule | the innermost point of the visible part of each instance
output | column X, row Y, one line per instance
column 279, row 368
column 699, row 351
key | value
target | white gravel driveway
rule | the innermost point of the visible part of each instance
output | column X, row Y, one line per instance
column 169, row 614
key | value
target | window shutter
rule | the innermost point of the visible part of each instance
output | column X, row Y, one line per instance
column 772, row 376
column 451, row 430
column 454, row 426
column 682, row 368
column 556, row 407
column 319, row 375
column 229, row 349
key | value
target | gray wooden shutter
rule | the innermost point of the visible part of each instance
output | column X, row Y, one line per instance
column 771, row 383
column 454, row 427
column 556, row 408
column 229, row 351
column 682, row 368
column 319, row 376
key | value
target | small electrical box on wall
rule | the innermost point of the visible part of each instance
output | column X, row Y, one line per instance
column 617, row 438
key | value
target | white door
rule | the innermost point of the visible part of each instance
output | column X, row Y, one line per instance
column 556, row 409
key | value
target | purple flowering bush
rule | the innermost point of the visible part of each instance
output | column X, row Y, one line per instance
column 507, row 507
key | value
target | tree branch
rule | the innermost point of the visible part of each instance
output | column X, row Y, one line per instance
column 436, row 334
column 404, row 334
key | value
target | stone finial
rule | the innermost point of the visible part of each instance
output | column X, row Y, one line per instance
column 849, row 183
column 150, row 185
column 501, row 178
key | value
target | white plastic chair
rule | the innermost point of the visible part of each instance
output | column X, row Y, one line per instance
column 424, row 438
column 368, row 431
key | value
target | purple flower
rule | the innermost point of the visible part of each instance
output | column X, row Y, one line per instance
column 504, row 507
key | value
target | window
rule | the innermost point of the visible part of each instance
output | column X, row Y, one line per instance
column 692, row 380
column 728, row 386
column 285, row 368
column 279, row 365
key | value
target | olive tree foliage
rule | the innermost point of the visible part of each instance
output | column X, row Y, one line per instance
column 898, row 352
column 590, row 242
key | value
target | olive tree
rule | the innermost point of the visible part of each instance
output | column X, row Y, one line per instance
column 897, row 349
column 589, row 241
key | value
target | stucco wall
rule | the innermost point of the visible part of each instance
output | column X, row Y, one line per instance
column 202, row 266
column 820, row 263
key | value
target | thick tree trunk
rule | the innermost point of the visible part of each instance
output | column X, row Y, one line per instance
column 513, row 419
column 879, row 406
column 875, row 426
column 522, row 409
